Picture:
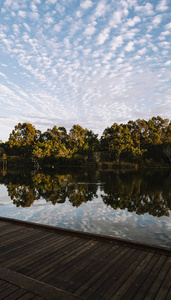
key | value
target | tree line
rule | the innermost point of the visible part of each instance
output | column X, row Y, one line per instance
column 137, row 141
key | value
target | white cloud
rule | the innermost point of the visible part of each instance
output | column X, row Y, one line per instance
column 34, row 15
column 90, row 29
column 162, row 6
column 149, row 9
column 116, row 42
column 142, row 51
column 8, row 2
column 16, row 5
column 27, row 27
column 33, row 7
column 132, row 3
column 132, row 22
column 129, row 35
column 16, row 29
column 22, row 13
column 51, row 1
column 119, row 60
column 145, row 10
column 103, row 36
column 101, row 8
column 153, row 47
column 168, row 63
column 129, row 47
column 168, row 26
column 60, row 8
column 157, row 20
column 167, row 32
column 3, row 75
column 57, row 27
column 86, row 4
column 116, row 18
column 49, row 20
column 78, row 14
column 165, row 45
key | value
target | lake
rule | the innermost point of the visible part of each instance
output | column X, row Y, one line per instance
column 134, row 205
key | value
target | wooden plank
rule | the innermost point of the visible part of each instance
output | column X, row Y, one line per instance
column 60, row 259
column 132, row 290
column 45, row 262
column 11, row 288
column 98, row 269
column 150, row 278
column 12, row 227
column 16, row 294
column 36, row 256
column 4, row 224
column 152, row 292
column 41, row 253
column 7, row 229
column 168, row 297
column 36, row 297
column 80, row 258
column 1, row 282
column 4, row 286
column 166, row 284
column 12, row 235
column 122, row 274
column 26, row 296
column 16, row 240
column 111, row 276
column 121, row 291
column 76, row 262
column 21, row 245
column 43, row 245
column 35, row 286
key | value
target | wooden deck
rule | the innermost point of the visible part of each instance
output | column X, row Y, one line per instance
column 43, row 262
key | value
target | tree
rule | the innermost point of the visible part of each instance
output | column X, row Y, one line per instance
column 117, row 140
column 77, row 138
column 23, row 135
column 156, row 130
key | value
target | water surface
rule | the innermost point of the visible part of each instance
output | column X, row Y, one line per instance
column 133, row 205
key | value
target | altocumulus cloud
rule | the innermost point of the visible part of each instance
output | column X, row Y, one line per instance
column 84, row 62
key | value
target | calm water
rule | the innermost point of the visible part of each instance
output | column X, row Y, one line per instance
column 134, row 205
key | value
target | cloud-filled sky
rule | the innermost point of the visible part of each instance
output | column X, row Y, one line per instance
column 92, row 63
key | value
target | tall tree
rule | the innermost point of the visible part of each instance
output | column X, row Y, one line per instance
column 23, row 135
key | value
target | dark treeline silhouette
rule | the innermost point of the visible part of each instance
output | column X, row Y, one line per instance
column 137, row 141
column 148, row 191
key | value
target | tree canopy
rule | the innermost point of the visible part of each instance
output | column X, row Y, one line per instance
column 135, row 141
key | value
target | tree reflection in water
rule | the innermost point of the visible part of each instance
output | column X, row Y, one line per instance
column 139, row 192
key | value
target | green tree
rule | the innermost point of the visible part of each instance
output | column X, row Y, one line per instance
column 23, row 135
column 117, row 140
column 77, row 137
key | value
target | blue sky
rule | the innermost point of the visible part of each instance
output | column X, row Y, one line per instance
column 92, row 63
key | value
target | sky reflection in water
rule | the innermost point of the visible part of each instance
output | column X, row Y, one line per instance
column 118, row 204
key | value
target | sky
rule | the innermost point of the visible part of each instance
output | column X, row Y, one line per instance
column 92, row 63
